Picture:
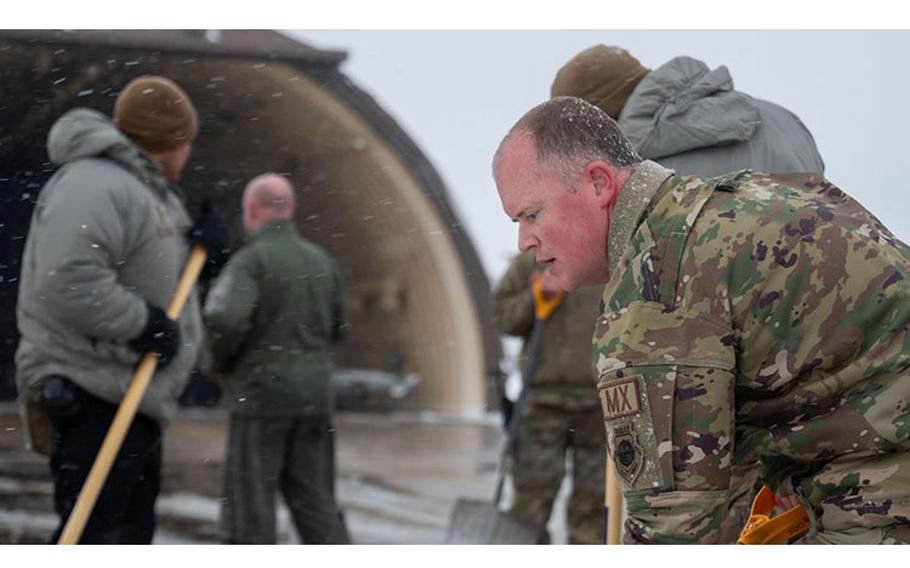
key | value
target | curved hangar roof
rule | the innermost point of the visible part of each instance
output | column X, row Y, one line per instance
column 417, row 296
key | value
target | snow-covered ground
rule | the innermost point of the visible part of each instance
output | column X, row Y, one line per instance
column 398, row 477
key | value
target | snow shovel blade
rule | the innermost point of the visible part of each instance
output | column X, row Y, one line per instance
column 481, row 522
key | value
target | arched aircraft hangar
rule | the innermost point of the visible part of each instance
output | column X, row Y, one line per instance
column 417, row 297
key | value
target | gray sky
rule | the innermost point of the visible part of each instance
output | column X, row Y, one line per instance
column 457, row 93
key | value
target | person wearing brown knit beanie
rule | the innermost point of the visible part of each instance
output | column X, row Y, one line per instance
column 603, row 75
column 103, row 258
column 688, row 117
column 159, row 118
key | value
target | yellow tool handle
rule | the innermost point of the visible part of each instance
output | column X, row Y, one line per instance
column 762, row 528
column 75, row 524
column 613, row 504
column 543, row 307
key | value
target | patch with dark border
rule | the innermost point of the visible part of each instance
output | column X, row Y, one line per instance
column 628, row 455
column 620, row 398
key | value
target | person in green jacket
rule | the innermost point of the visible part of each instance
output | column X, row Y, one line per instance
column 273, row 316
column 745, row 316
column 561, row 410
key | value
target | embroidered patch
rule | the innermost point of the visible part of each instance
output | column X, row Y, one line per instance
column 620, row 398
column 627, row 453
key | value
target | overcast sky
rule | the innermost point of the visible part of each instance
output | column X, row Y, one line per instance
column 458, row 92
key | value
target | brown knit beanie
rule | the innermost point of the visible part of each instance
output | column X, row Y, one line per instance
column 155, row 114
column 602, row 75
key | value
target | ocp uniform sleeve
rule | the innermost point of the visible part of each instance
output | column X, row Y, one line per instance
column 666, row 387
column 666, row 376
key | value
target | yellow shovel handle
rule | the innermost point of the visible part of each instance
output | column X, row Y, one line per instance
column 75, row 524
column 543, row 307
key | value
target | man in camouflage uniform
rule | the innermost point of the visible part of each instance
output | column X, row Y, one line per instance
column 713, row 129
column 561, row 409
column 755, row 315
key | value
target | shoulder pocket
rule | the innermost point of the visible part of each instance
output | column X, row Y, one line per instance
column 665, row 380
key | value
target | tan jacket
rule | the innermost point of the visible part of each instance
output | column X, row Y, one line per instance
column 564, row 363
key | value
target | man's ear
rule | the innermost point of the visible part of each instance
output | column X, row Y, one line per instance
column 604, row 180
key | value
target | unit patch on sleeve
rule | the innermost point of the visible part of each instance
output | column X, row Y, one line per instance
column 627, row 453
column 620, row 398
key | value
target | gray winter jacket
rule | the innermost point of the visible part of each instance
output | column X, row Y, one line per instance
column 689, row 118
column 107, row 233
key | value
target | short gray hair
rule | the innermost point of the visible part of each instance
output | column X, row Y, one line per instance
column 569, row 132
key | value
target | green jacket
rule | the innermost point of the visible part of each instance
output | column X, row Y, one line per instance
column 273, row 315
column 564, row 372
column 761, row 315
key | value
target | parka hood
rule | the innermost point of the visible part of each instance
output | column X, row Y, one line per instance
column 683, row 105
column 86, row 133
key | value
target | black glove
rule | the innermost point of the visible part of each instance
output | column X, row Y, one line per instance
column 161, row 336
column 60, row 397
column 211, row 230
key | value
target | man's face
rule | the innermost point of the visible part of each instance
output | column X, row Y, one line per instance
column 566, row 230
column 173, row 162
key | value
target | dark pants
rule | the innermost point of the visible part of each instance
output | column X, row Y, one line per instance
column 296, row 455
column 546, row 433
column 125, row 510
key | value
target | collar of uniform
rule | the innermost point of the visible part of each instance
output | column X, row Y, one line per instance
column 278, row 226
column 633, row 199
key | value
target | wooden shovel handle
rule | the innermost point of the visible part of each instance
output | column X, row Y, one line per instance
column 75, row 524
column 613, row 504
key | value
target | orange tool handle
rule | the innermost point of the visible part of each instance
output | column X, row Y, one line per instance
column 762, row 528
column 543, row 307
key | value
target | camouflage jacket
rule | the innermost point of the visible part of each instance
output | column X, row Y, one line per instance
column 758, row 315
